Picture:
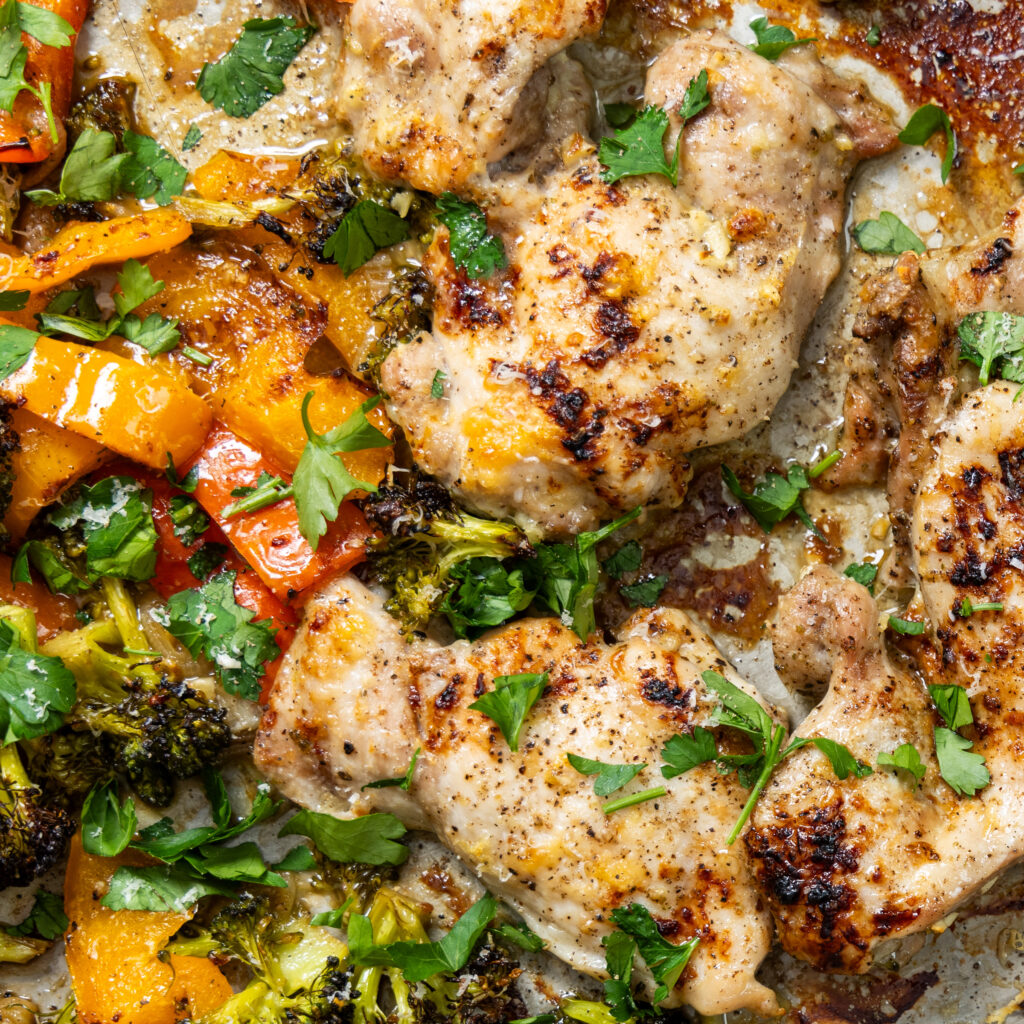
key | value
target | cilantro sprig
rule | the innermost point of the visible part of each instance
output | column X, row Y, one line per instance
column 252, row 71
column 639, row 147
column 321, row 482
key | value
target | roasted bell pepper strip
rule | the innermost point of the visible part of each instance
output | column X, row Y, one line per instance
column 80, row 246
column 136, row 410
column 269, row 538
column 24, row 133
column 112, row 954
column 50, row 460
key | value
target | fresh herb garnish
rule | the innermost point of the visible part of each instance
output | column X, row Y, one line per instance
column 887, row 236
column 774, row 498
column 107, row 824
column 52, row 564
column 906, row 758
column 627, row 559
column 11, row 302
column 209, row 621
column 369, row 839
column 610, row 777
column 962, row 769
column 252, row 71
column 905, row 627
column 994, row 342
column 403, row 782
column 269, row 490
column 16, row 344
column 186, row 483
column 150, row 171
column 366, row 229
column 632, row 799
column 639, row 147
column 437, row 384
column 863, row 573
column 924, row 123
column 953, row 704
column 167, row 888
column 620, row 949
column 620, row 115
column 46, row 918
column 665, row 961
column 192, row 138
column 509, row 702
column 472, row 247
column 91, row 172
column 968, row 607
column 488, row 593
column 644, row 593
column 874, row 36
column 519, row 935
column 188, row 521
column 774, row 40
column 682, row 752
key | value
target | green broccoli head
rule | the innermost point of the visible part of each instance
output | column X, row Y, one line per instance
column 425, row 537
column 68, row 764
column 9, row 444
column 33, row 832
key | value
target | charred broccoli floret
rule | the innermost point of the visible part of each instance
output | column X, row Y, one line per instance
column 68, row 764
column 33, row 833
column 9, row 444
column 155, row 729
column 296, row 967
column 425, row 537
column 404, row 313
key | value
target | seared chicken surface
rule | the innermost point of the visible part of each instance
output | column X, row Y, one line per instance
column 638, row 321
column 435, row 91
column 354, row 700
column 846, row 865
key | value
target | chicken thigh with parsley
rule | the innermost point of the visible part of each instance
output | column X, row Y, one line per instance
column 638, row 320
column 354, row 700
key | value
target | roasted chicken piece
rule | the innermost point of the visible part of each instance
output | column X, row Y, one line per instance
column 846, row 865
column 354, row 700
column 436, row 91
column 638, row 321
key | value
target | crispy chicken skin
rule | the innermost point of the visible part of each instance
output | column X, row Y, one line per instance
column 846, row 865
column 637, row 321
column 435, row 90
column 354, row 700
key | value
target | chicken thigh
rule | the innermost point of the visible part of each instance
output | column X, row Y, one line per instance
column 846, row 865
column 436, row 91
column 637, row 321
column 354, row 700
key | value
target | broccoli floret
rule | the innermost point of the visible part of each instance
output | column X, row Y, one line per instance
column 297, row 968
column 425, row 537
column 67, row 764
column 404, row 314
column 9, row 444
column 155, row 729
column 33, row 833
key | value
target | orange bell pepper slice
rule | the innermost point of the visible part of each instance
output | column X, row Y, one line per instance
column 80, row 246
column 136, row 410
column 269, row 538
column 112, row 955
column 24, row 133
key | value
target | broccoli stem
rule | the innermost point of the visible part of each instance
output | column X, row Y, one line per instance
column 13, row 775
column 126, row 618
column 23, row 621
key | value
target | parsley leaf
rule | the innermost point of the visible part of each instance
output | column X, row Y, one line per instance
column 620, row 115
column 774, row 40
column 904, row 757
column 887, row 236
column 905, row 627
column 403, row 782
column 863, row 573
column 610, row 777
column 46, row 918
column 321, row 482
column 51, row 563
column 91, row 172
column 155, row 334
column 10, row 302
column 115, row 517
column 627, row 559
column 994, row 342
column 509, row 702
column 252, row 71
column 209, row 621
column 681, row 752
column 665, row 961
column 150, row 171
column 839, row 757
column 774, row 497
column 968, row 607
column 964, row 770
column 366, row 229
column 437, row 384
column 421, row 960
column 36, row 691
column 620, row 949
column 488, row 593
column 644, row 593
column 192, row 138
column 874, row 36
column 170, row 888
column 369, row 839
column 107, row 824
column 953, row 704
column 924, row 123
column 696, row 97
column 472, row 247
column 188, row 521
column 16, row 344
column 269, row 490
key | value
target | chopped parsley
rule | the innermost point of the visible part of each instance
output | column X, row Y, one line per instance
column 437, row 384
column 508, row 704
column 150, row 171
column 269, row 490
column 192, row 138
column 905, row 627
column 774, row 498
column 627, row 559
column 994, row 342
column 207, row 559
column 10, row 302
column 924, row 123
column 209, row 621
column 36, row 691
column 887, row 236
column 366, row 229
column 107, row 824
column 609, row 777
column 403, row 782
column 252, row 71
column 774, row 40
column 953, row 704
column 682, row 752
column 863, row 573
column 905, row 758
column 962, row 769
column 321, row 482
column 874, row 36
column 967, row 607
column 644, row 593
column 16, row 344
column 665, row 961
column 633, row 799
column 369, row 839
column 46, row 918
column 188, row 521
column 472, row 247
column 639, row 147
column 487, row 594
column 519, row 935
